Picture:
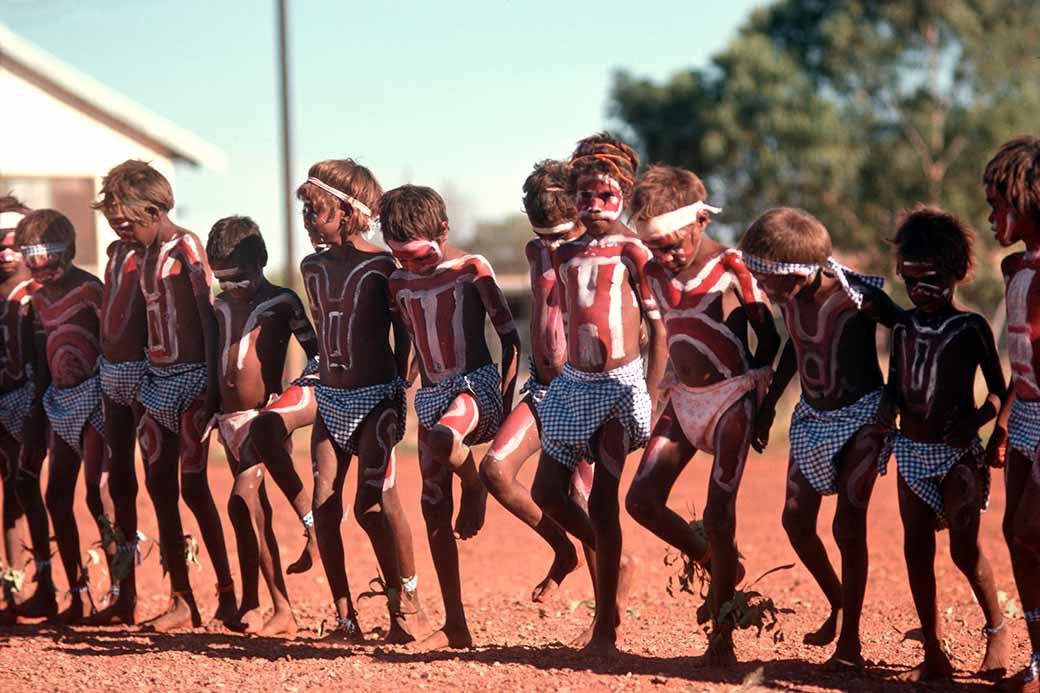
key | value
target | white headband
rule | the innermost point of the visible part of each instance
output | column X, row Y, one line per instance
column 559, row 228
column 9, row 220
column 353, row 202
column 413, row 246
column 230, row 272
column 763, row 266
column 674, row 220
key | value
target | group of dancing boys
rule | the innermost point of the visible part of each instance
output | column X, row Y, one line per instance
column 150, row 356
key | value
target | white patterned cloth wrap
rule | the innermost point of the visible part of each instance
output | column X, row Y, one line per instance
column 14, row 406
column 69, row 409
column 168, row 391
column 121, row 382
column 1024, row 428
column 763, row 266
column 234, row 427
column 923, row 466
column 818, row 435
column 343, row 409
column 484, row 383
column 579, row 403
column 309, row 376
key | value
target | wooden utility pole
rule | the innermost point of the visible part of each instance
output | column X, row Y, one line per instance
column 286, row 127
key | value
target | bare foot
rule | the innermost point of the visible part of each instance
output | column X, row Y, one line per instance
column 563, row 564
column 838, row 663
column 226, row 613
column 600, row 646
column 1019, row 683
column 122, row 612
column 936, row 665
column 43, row 604
column 584, row 637
column 443, row 639
column 825, row 634
column 347, row 632
column 998, row 652
column 76, row 613
column 472, row 505
column 720, row 653
column 282, row 624
column 408, row 621
column 309, row 555
column 182, row 613
column 247, row 620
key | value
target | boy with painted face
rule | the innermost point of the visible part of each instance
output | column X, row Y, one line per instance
column 179, row 392
column 837, row 447
column 256, row 320
column 1012, row 180
column 16, row 395
column 124, row 338
column 943, row 477
column 361, row 390
column 554, row 220
column 443, row 296
column 67, row 308
column 599, row 407
column 708, row 299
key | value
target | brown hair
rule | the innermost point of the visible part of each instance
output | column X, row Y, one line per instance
column 1014, row 171
column 929, row 232
column 10, row 203
column 132, row 183
column 412, row 212
column 663, row 189
column 237, row 238
column 787, row 234
column 350, row 177
column 546, row 199
column 47, row 226
column 604, row 154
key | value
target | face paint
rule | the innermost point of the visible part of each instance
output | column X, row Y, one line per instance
column 419, row 256
column 928, row 288
column 599, row 200
column 675, row 250
column 552, row 236
column 46, row 261
column 8, row 251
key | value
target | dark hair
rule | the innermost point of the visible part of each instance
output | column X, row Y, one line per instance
column 604, row 154
column 546, row 199
column 787, row 234
column 237, row 238
column 1014, row 171
column 350, row 177
column 412, row 212
column 138, row 181
column 47, row 226
column 10, row 203
column 928, row 232
column 663, row 189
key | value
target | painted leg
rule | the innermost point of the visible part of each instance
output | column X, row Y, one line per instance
column 244, row 498
column 411, row 618
column 1022, row 531
column 445, row 441
column 61, row 489
column 43, row 603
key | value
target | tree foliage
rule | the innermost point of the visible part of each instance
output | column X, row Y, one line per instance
column 853, row 110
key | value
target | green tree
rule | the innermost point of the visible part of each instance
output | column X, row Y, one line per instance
column 854, row 110
column 503, row 242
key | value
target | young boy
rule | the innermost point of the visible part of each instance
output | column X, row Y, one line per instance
column 67, row 308
column 943, row 478
column 16, row 391
column 361, row 390
column 708, row 299
column 836, row 445
column 1012, row 180
column 256, row 320
column 443, row 296
column 554, row 221
column 179, row 393
column 599, row 407
column 124, row 338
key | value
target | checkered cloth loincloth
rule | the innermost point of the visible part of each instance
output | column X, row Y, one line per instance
column 818, row 435
column 14, row 406
column 1024, row 427
column 923, row 466
column 484, row 383
column 69, row 409
column 579, row 402
column 343, row 409
column 121, row 382
column 167, row 391
column 309, row 376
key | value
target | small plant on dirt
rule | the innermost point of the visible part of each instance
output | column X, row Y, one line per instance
column 377, row 587
column 11, row 578
column 191, row 553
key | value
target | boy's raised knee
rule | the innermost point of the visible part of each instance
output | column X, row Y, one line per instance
column 640, row 505
column 493, row 473
column 796, row 524
column 849, row 528
column 440, row 442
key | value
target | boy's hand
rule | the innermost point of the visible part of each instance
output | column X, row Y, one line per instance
column 763, row 422
column 996, row 449
column 960, row 430
column 885, row 418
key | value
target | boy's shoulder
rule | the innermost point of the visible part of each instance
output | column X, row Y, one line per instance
column 122, row 248
column 186, row 244
column 1015, row 262
column 350, row 260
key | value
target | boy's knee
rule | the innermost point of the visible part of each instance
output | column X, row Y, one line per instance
column 965, row 555
column 849, row 528
column 440, row 441
column 58, row 500
column 640, row 504
column 1025, row 531
column 493, row 473
column 194, row 491
column 796, row 524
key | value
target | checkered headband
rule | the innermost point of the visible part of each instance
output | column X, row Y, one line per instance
column 763, row 266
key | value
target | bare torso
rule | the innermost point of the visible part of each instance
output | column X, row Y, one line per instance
column 548, row 336
column 1022, row 276
column 171, row 273
column 16, row 330
column 70, row 315
column 124, row 330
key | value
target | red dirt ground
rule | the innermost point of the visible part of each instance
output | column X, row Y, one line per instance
column 518, row 642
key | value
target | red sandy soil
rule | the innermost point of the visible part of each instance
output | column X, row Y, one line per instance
column 519, row 645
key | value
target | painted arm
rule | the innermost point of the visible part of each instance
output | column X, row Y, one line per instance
column 786, row 369
column 502, row 319
column 657, row 356
column 888, row 408
column 301, row 328
column 960, row 431
column 880, row 307
column 199, row 275
column 34, row 430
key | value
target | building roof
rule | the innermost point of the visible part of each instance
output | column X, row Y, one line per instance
column 102, row 103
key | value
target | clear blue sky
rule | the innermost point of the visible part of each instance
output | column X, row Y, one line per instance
column 460, row 95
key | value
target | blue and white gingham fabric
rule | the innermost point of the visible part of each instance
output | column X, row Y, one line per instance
column 69, row 409
column 843, row 273
column 309, row 376
column 343, row 409
column 484, row 383
column 579, row 402
column 1024, row 428
column 536, row 389
column 923, row 466
column 121, row 382
column 818, row 435
column 168, row 391
column 14, row 406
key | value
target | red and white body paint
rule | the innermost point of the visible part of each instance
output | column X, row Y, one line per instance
column 1023, row 312
column 16, row 331
column 123, row 329
column 166, row 298
column 548, row 335
column 600, row 198
column 71, row 323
